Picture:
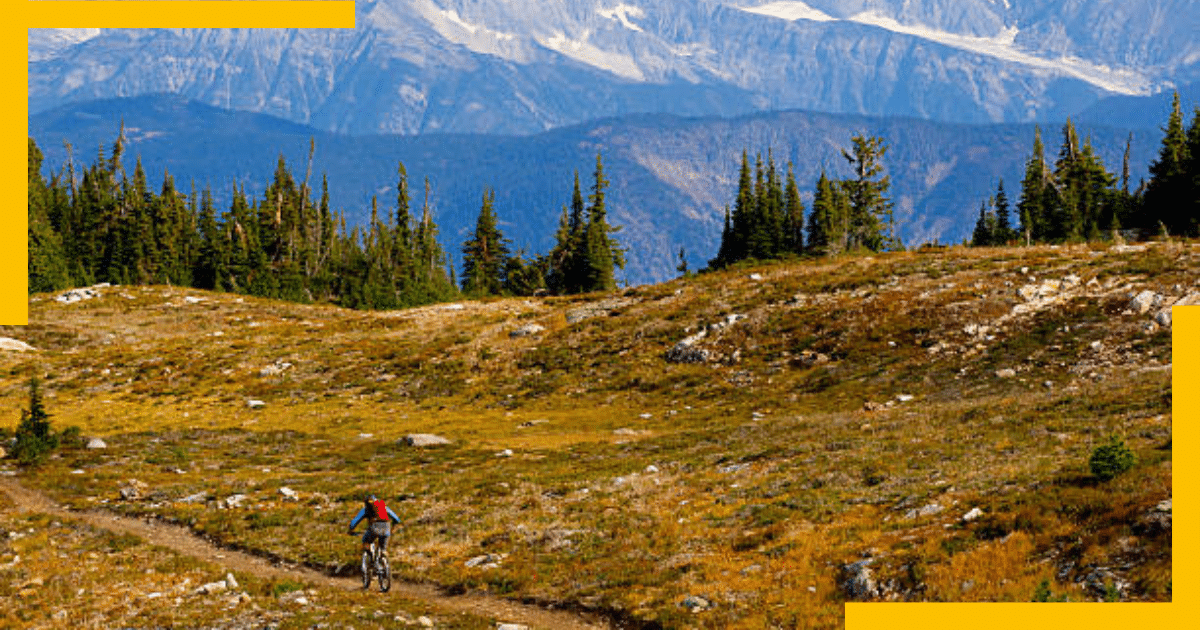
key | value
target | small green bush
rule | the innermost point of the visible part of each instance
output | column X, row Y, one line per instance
column 1112, row 459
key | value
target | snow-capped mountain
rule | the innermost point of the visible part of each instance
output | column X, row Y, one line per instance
column 415, row 66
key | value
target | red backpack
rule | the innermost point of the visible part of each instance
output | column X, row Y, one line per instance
column 380, row 510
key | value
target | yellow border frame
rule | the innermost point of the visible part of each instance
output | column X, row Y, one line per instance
column 326, row 14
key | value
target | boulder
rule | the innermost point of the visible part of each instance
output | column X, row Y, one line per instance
column 972, row 515
column 14, row 345
column 255, row 404
column 686, row 351
column 928, row 510
column 289, row 494
column 132, row 490
column 512, row 626
column 695, row 603
column 1143, row 302
column 423, row 440
column 857, row 582
column 528, row 330
column 1006, row 373
column 96, row 443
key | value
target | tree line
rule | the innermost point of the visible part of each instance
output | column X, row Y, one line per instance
column 105, row 225
column 769, row 219
column 1076, row 199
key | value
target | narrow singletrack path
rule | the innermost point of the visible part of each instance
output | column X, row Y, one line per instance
column 184, row 541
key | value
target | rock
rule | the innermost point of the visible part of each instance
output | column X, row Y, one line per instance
column 132, row 490
column 873, row 406
column 527, row 330
column 1158, row 521
column 486, row 561
column 928, row 510
column 904, row 398
column 191, row 299
column 96, row 443
column 199, row 497
column 857, row 582
column 651, row 469
column 14, row 345
column 3, row 452
column 424, row 622
column 78, row 295
column 255, row 404
column 1006, row 373
column 695, row 603
column 212, row 587
column 972, row 515
column 230, row 582
column 1163, row 318
column 505, row 453
column 231, row 502
column 275, row 369
column 512, row 626
column 1143, row 302
column 686, row 351
column 757, row 277
column 421, row 440
column 289, row 494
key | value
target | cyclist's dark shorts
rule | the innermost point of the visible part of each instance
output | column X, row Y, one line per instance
column 379, row 530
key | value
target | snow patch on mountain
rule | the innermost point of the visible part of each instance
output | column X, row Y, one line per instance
column 1000, row 46
column 622, row 13
column 790, row 11
column 46, row 43
column 580, row 50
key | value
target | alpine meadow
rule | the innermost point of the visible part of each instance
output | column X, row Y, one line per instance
column 641, row 315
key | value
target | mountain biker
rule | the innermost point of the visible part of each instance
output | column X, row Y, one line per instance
column 379, row 522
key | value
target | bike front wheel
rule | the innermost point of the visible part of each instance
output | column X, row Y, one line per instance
column 385, row 575
column 366, row 569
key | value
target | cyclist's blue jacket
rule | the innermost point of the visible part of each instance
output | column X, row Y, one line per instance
column 364, row 513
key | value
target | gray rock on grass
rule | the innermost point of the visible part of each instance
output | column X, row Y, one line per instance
column 422, row 440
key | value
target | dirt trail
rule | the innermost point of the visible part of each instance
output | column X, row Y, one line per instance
column 183, row 541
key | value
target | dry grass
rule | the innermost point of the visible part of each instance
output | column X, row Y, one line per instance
column 768, row 473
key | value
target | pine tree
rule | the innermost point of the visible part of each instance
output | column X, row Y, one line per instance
column 1190, row 210
column 1004, row 230
column 1033, row 192
column 742, row 219
column 870, row 220
column 34, row 437
column 603, row 251
column 46, row 260
column 793, row 236
column 985, row 228
column 829, row 223
column 485, row 255
column 1167, row 176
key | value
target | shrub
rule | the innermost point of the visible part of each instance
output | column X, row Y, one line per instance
column 1112, row 459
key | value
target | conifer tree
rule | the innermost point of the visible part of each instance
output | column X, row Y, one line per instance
column 870, row 220
column 1167, row 175
column 603, row 251
column 1034, row 192
column 485, row 255
column 46, row 261
column 1004, row 230
column 793, row 214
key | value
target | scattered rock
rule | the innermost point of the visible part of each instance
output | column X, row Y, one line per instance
column 757, row 277
column 96, row 443
column 527, row 330
column 486, row 561
column 512, row 626
column 289, row 494
column 651, row 469
column 231, row 502
column 80, row 295
column 531, row 423
column 230, row 582
column 1158, row 521
column 873, row 406
column 212, row 588
column 695, row 603
column 424, row 622
column 1163, row 318
column 199, row 497
column 191, row 299
column 505, row 453
column 808, row 359
column 686, row 351
column 972, row 515
column 1006, row 373
column 1144, row 301
column 904, row 398
column 928, row 510
column 255, row 404
column 421, row 440
column 132, row 490
column 857, row 582
column 14, row 345
column 275, row 369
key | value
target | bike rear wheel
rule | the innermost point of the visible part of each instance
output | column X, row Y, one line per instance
column 385, row 574
column 367, row 569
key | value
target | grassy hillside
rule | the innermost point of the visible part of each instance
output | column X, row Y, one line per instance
column 843, row 422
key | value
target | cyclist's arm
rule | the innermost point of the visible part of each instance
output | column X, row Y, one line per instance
column 361, row 515
column 392, row 515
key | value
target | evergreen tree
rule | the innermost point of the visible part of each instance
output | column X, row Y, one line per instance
column 1034, row 192
column 1004, row 230
column 870, row 220
column 603, row 251
column 826, row 226
column 985, row 228
column 486, row 254
column 34, row 438
column 46, row 260
column 1167, row 176
column 793, row 213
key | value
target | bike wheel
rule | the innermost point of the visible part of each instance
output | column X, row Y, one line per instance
column 385, row 575
column 366, row 569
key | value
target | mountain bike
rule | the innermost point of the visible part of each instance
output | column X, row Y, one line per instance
column 375, row 562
